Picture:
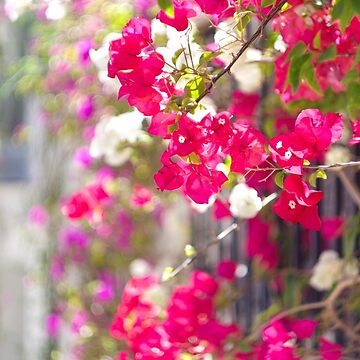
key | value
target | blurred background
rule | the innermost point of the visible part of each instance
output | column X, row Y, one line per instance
column 79, row 211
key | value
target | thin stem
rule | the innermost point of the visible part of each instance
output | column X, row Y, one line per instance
column 350, row 186
column 246, row 45
column 188, row 261
column 331, row 167
column 201, row 252
column 327, row 304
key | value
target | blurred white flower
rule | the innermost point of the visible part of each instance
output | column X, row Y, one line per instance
column 15, row 8
column 139, row 268
column 56, row 10
column 244, row 201
column 337, row 154
column 113, row 136
column 327, row 271
column 279, row 44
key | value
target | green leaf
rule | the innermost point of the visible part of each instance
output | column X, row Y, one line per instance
column 356, row 6
column 306, row 162
column 279, row 179
column 317, row 41
column 328, row 54
column 265, row 3
column 345, row 10
column 175, row 57
column 207, row 56
column 295, row 70
column 243, row 20
column 318, row 174
column 308, row 73
column 195, row 87
column 297, row 50
column 167, row 6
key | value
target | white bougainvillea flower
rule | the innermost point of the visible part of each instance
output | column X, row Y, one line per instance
column 337, row 154
column 244, row 202
column 139, row 268
column 327, row 271
column 113, row 136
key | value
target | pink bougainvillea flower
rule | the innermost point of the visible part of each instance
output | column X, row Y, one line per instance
column 313, row 133
column 213, row 7
column 83, row 48
column 298, row 204
column 38, row 215
column 279, row 338
column 332, row 227
column 124, row 52
column 82, row 157
column 202, row 183
column 288, row 152
column 188, row 138
column 73, row 242
column 259, row 244
column 85, row 108
column 85, row 202
column 221, row 210
column 226, row 269
column 244, row 105
column 247, row 148
column 141, row 196
column 160, row 123
column 57, row 268
column 190, row 319
column 295, row 185
column 183, row 10
column 217, row 129
column 355, row 126
column 77, row 206
column 317, row 130
column 53, row 322
column 288, row 208
column 171, row 176
column 330, row 350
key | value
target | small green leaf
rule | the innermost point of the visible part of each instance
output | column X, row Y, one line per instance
column 328, row 54
column 279, row 179
column 195, row 87
column 242, row 20
column 295, row 70
column 306, row 162
column 207, row 56
column 176, row 56
column 317, row 41
column 308, row 73
column 189, row 104
column 318, row 174
column 167, row 6
column 265, row 3
column 297, row 50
